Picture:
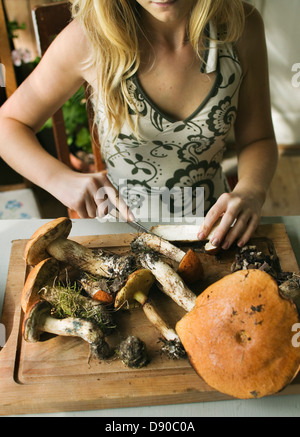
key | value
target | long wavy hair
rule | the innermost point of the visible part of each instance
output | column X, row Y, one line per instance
column 112, row 27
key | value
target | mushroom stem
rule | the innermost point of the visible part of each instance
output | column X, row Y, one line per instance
column 159, row 245
column 51, row 239
column 96, row 262
column 66, row 301
column 39, row 320
column 133, row 291
column 172, row 345
column 153, row 317
column 189, row 266
column 171, row 283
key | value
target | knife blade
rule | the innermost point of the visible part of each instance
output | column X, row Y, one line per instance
column 137, row 226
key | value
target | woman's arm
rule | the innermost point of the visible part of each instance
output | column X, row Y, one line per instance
column 56, row 78
column 255, row 142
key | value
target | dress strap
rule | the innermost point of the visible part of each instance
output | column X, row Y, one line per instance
column 211, row 61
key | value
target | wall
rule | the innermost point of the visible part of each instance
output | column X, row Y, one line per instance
column 281, row 19
column 283, row 37
column 20, row 10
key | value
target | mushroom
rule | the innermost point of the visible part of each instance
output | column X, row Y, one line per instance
column 41, row 283
column 137, row 288
column 290, row 288
column 51, row 240
column 239, row 335
column 101, row 289
column 132, row 352
column 190, row 267
column 188, row 233
column 170, row 281
column 38, row 320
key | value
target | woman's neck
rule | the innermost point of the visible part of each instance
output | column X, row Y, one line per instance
column 171, row 35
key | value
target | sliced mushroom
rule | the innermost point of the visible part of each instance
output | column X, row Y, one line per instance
column 137, row 288
column 190, row 267
column 188, row 233
column 51, row 239
column 171, row 283
column 41, row 284
column 38, row 320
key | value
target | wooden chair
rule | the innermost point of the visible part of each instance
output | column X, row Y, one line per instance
column 17, row 197
column 49, row 20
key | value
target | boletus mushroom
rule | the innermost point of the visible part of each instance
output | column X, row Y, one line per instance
column 51, row 240
column 170, row 281
column 189, row 265
column 42, row 284
column 188, row 233
column 38, row 320
column 137, row 288
column 239, row 335
column 100, row 289
column 290, row 288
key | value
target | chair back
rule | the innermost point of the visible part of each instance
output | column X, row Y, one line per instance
column 48, row 21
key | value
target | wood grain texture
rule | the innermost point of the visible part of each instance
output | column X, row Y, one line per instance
column 55, row 375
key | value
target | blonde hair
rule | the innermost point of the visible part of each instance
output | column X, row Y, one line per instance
column 113, row 30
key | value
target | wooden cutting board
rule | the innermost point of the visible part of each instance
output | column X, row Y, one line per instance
column 56, row 374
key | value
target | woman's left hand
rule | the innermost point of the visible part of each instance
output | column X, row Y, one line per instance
column 240, row 213
column 255, row 142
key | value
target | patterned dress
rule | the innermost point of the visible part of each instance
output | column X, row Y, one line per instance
column 172, row 153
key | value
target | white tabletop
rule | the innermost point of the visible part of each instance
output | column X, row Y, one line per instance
column 267, row 407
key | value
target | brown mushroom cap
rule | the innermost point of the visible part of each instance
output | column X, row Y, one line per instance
column 139, row 281
column 239, row 336
column 190, row 267
column 36, row 248
column 32, row 320
column 44, row 272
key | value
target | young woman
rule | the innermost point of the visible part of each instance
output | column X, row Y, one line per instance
column 168, row 80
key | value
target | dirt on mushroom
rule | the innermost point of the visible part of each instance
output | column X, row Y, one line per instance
column 133, row 352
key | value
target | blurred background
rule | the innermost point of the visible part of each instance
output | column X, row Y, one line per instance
column 283, row 38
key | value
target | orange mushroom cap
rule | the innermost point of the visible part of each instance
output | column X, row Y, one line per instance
column 36, row 247
column 190, row 268
column 239, row 336
column 41, row 275
column 103, row 296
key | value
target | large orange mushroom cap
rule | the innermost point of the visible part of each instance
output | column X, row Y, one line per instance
column 239, row 336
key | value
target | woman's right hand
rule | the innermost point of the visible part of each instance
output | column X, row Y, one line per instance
column 90, row 195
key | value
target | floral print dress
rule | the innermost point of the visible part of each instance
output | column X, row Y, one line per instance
column 170, row 153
